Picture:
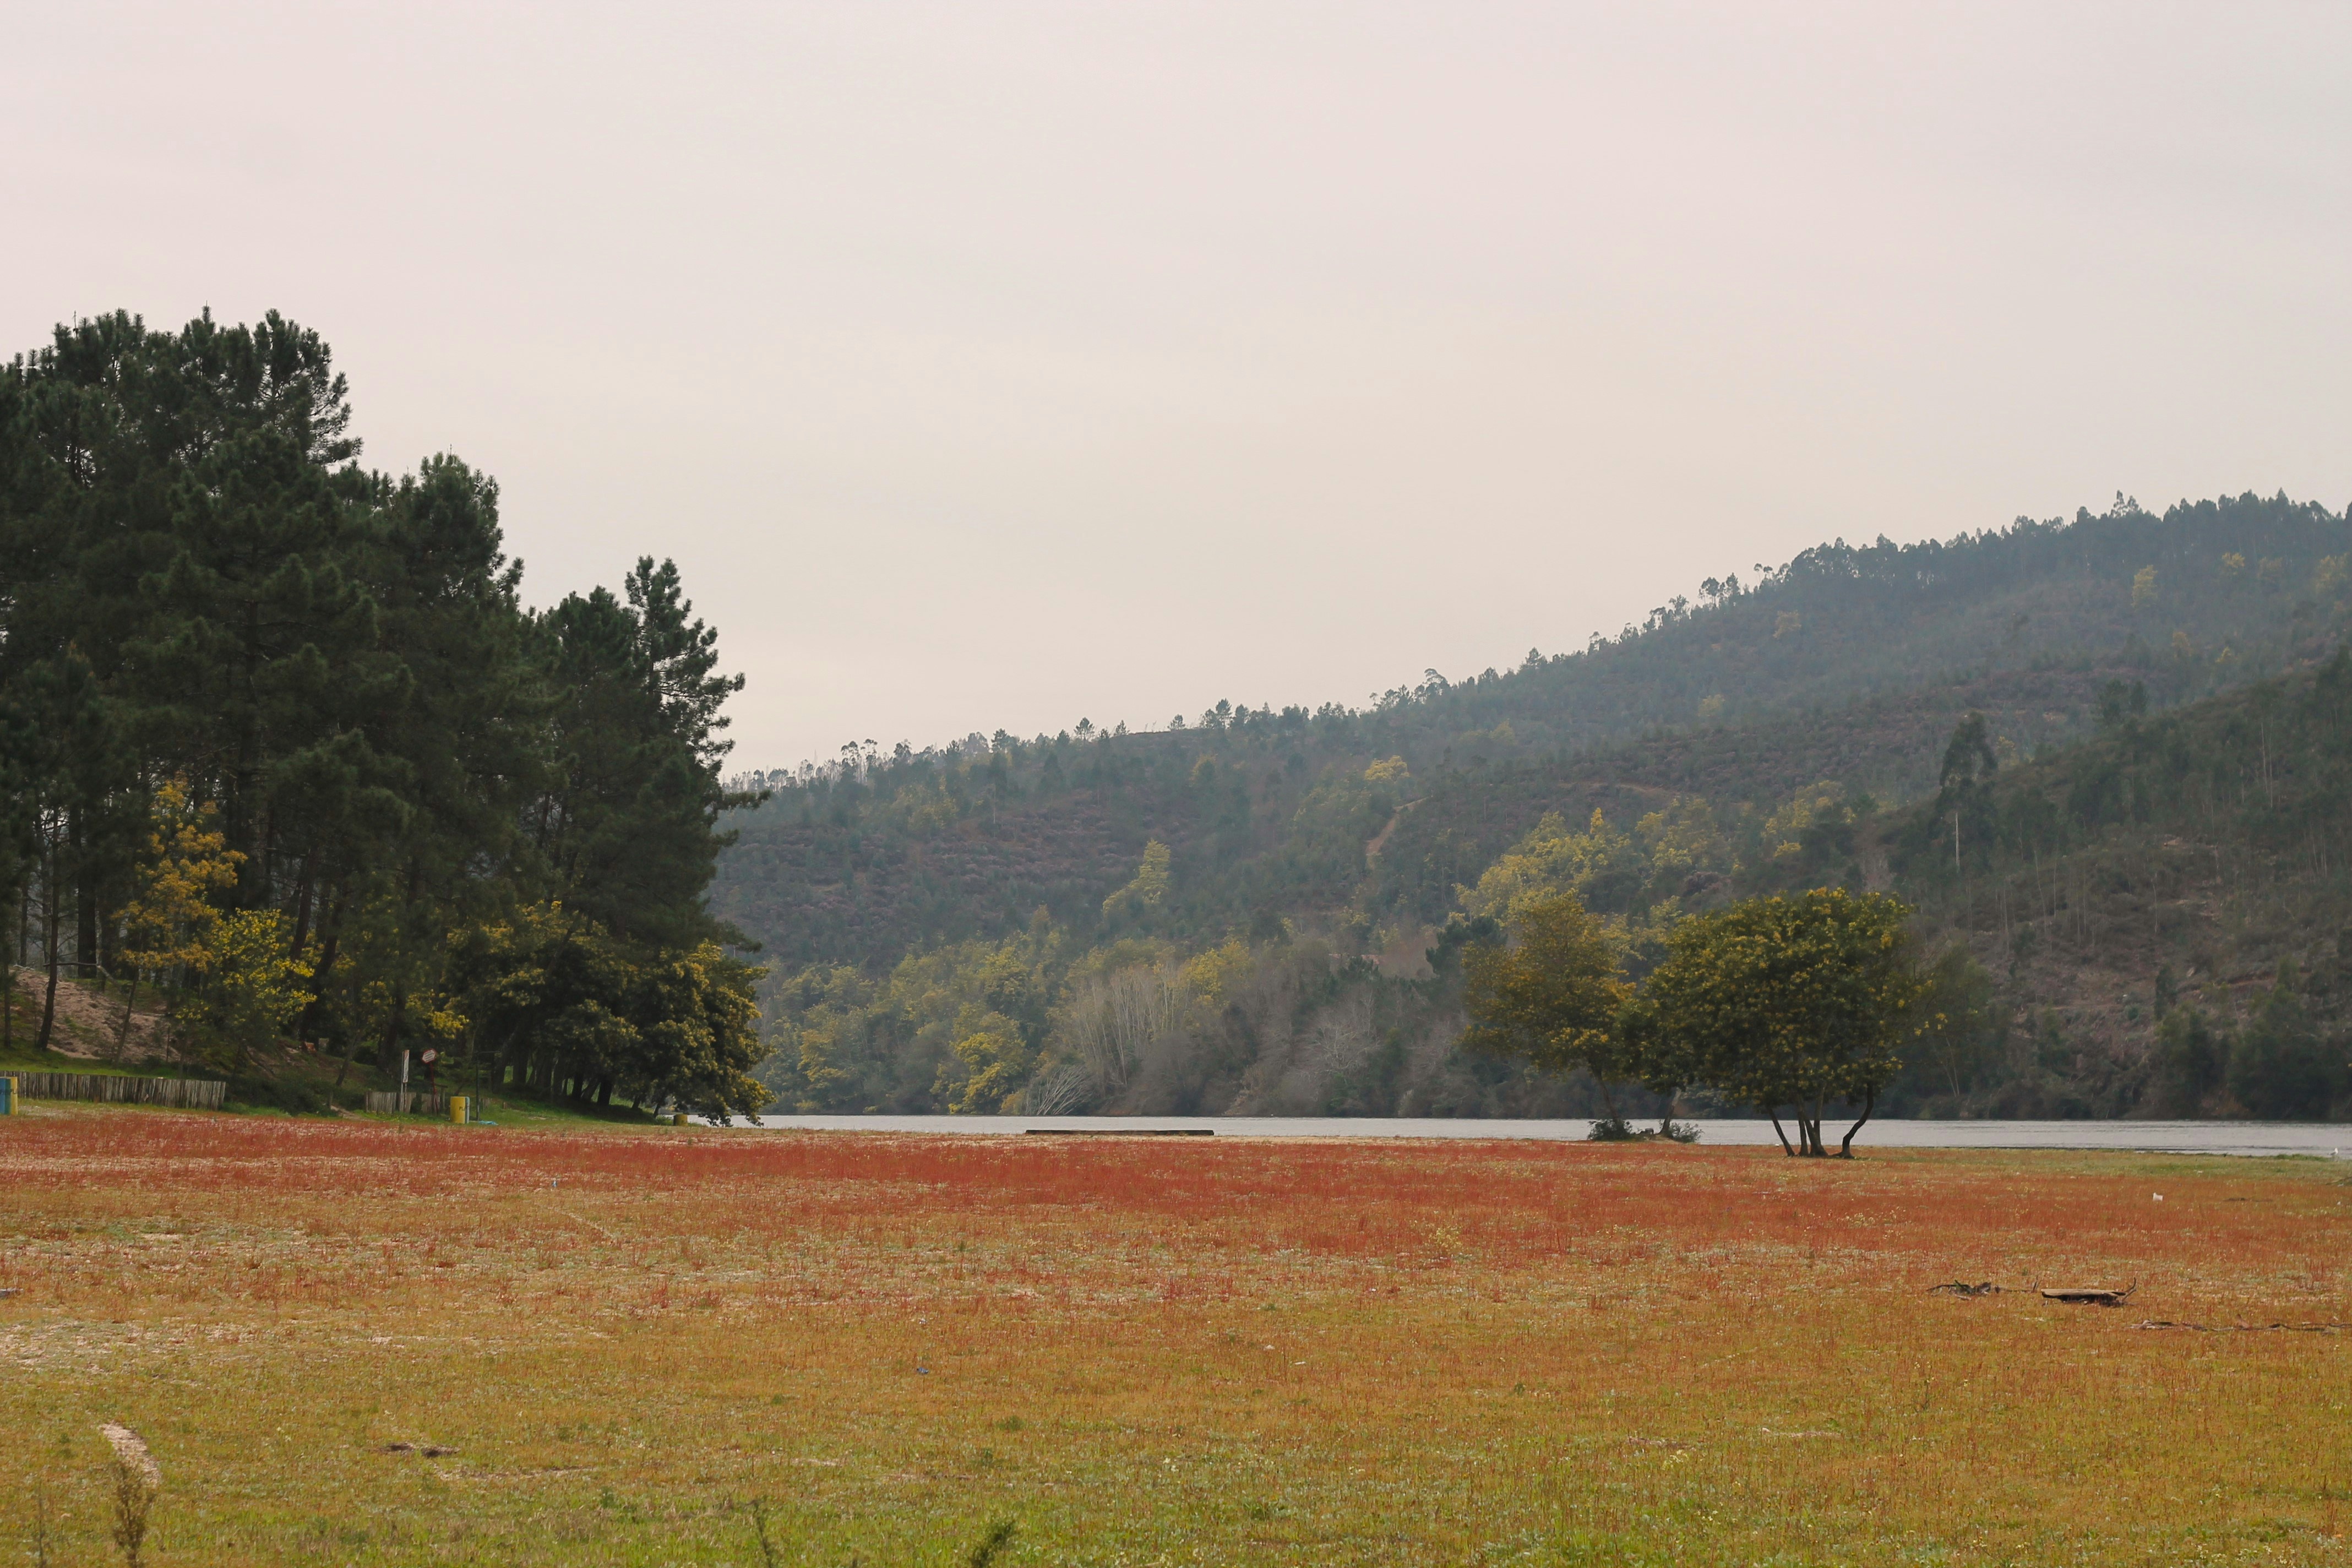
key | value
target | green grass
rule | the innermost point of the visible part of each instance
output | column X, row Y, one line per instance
column 508, row 1110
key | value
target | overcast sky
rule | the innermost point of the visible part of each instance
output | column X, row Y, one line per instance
column 996, row 365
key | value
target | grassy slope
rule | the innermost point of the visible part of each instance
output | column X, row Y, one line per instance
column 291, row 1080
column 1254, row 1352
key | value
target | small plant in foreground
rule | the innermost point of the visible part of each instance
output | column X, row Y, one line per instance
column 40, row 1530
column 137, row 1481
column 758, row 1509
column 992, row 1541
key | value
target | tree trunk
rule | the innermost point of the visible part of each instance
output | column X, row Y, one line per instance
column 1775, row 1114
column 330, row 941
column 1869, row 1104
column 49, row 953
column 385, row 1054
column 8, row 992
column 301, row 910
column 308, row 1027
column 85, row 916
column 8, row 986
column 130, row 1000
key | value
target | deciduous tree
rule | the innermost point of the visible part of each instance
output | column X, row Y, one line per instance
column 1801, row 1001
column 1551, row 996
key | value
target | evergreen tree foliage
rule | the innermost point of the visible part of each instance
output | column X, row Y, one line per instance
column 209, row 609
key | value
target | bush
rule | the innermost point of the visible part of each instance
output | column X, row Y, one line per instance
column 2190, row 1059
column 2279, row 1068
column 273, row 1094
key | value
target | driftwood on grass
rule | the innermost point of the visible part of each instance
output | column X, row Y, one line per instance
column 1120, row 1132
column 2090, row 1295
column 1961, row 1287
column 2246, row 1328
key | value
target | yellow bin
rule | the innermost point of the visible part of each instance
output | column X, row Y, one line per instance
column 460, row 1108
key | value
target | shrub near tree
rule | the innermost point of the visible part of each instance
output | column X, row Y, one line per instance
column 572, row 1011
column 1801, row 1002
column 1552, row 997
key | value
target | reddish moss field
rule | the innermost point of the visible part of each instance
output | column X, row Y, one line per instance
column 1158, row 1351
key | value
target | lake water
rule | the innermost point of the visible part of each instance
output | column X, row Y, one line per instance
column 2255, row 1138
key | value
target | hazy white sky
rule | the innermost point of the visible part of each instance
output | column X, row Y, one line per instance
column 999, row 364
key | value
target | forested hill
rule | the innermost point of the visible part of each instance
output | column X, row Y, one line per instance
column 1846, row 664
column 1255, row 911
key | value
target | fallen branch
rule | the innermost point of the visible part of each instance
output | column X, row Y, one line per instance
column 1120, row 1132
column 2091, row 1295
column 2246, row 1328
column 1960, row 1288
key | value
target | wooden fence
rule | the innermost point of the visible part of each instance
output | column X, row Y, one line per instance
column 392, row 1103
column 188, row 1093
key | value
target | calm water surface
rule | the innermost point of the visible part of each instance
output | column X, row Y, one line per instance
column 2257, row 1138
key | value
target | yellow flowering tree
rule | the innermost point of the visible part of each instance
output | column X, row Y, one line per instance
column 253, row 988
column 1150, row 883
column 1553, row 860
column 998, row 1061
column 169, row 925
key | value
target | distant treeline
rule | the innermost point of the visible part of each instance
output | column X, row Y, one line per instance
column 280, row 738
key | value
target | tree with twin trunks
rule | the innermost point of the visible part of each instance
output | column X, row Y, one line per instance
column 1802, row 1001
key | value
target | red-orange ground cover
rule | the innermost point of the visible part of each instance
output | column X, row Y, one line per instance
column 1228, row 1351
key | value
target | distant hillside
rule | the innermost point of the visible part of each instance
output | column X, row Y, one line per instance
column 2230, row 586
column 1846, row 664
column 2164, row 912
column 1779, row 732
